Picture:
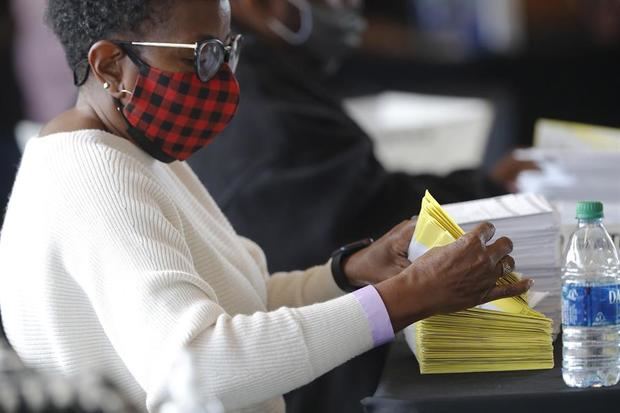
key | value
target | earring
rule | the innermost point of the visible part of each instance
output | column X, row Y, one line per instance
column 106, row 85
column 126, row 91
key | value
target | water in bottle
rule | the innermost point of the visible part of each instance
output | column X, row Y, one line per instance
column 590, row 303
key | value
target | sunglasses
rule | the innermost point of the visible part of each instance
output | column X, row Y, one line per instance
column 209, row 54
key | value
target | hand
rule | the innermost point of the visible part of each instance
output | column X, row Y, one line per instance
column 383, row 259
column 507, row 170
column 455, row 277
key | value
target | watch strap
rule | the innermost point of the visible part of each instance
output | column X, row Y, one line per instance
column 338, row 257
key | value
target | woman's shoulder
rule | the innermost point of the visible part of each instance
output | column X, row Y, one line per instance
column 89, row 161
column 88, row 173
column 82, row 144
column 86, row 149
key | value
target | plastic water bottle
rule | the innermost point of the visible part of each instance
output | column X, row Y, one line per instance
column 591, row 303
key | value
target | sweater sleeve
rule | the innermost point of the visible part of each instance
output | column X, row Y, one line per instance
column 126, row 249
column 317, row 284
column 295, row 288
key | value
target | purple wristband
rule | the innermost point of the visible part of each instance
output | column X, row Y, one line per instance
column 377, row 314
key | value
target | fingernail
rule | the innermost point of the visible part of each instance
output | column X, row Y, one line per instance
column 530, row 283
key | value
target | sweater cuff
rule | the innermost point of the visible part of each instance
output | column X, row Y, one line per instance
column 376, row 313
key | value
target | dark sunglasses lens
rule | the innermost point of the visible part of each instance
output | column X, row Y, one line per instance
column 210, row 58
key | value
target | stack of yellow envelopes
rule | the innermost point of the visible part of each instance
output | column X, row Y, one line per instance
column 499, row 336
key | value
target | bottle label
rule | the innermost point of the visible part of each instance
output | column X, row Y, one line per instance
column 596, row 306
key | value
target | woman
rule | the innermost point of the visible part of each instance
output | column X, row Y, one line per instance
column 114, row 257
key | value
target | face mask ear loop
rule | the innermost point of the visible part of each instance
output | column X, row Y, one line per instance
column 305, row 26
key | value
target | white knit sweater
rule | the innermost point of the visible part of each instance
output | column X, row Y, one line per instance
column 113, row 261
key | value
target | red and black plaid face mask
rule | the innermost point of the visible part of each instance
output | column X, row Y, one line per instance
column 173, row 114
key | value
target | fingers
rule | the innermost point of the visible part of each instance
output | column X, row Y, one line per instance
column 499, row 249
column 404, row 231
column 505, row 266
column 484, row 232
column 505, row 291
column 408, row 226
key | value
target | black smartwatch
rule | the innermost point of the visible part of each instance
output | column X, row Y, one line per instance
column 338, row 257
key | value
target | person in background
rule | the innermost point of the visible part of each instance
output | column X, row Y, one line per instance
column 299, row 176
column 114, row 258
column 305, row 149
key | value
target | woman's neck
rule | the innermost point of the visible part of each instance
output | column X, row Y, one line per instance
column 82, row 116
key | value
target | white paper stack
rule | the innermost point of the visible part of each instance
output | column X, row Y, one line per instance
column 534, row 227
column 577, row 162
column 411, row 131
column 572, row 175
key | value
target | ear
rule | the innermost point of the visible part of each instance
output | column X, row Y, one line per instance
column 105, row 59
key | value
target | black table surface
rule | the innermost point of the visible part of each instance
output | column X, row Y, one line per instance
column 403, row 389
